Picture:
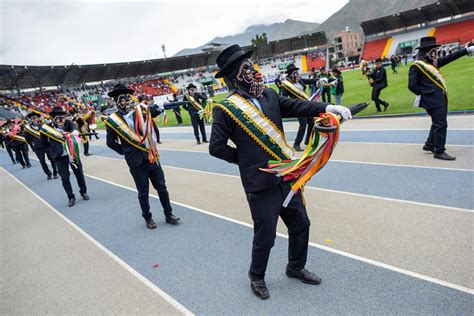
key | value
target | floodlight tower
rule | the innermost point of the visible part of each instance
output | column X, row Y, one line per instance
column 163, row 48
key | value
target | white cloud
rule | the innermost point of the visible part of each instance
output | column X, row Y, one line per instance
column 85, row 31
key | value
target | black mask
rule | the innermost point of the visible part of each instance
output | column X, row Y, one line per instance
column 124, row 103
column 431, row 56
column 250, row 79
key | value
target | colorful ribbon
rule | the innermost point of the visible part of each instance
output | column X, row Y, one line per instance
column 71, row 143
column 299, row 171
column 144, row 123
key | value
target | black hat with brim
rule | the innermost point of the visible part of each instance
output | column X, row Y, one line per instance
column 32, row 114
column 119, row 89
column 427, row 42
column 229, row 57
column 378, row 60
column 291, row 68
column 57, row 110
column 190, row 86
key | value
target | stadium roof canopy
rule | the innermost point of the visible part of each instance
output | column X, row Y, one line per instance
column 432, row 12
column 22, row 77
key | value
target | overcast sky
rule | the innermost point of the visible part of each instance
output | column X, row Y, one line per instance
column 44, row 32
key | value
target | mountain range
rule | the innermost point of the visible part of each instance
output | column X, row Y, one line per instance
column 351, row 15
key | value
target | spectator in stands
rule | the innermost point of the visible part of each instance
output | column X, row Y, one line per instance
column 338, row 85
column 326, row 94
column 425, row 80
column 393, row 62
column 378, row 81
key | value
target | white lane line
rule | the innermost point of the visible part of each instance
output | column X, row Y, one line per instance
column 134, row 272
column 339, row 252
column 444, row 207
column 389, row 143
column 351, row 161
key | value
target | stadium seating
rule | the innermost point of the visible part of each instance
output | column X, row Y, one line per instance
column 461, row 32
column 374, row 49
column 405, row 37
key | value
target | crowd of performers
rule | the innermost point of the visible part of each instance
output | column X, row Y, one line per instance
column 273, row 178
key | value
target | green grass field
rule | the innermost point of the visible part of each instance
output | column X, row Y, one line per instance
column 458, row 76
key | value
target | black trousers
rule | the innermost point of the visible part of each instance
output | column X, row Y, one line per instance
column 62, row 164
column 326, row 95
column 86, row 147
column 154, row 173
column 21, row 154
column 266, row 207
column 42, row 153
column 439, row 129
column 306, row 125
column 177, row 113
column 376, row 98
column 9, row 149
column 196, row 121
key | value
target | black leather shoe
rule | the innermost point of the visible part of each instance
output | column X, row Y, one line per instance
column 171, row 219
column 259, row 288
column 303, row 275
column 23, row 166
column 297, row 147
column 378, row 111
column 71, row 202
column 55, row 176
column 385, row 106
column 150, row 224
column 198, row 142
column 49, row 177
column 28, row 165
column 87, row 154
column 428, row 148
column 444, row 156
column 205, row 141
column 85, row 196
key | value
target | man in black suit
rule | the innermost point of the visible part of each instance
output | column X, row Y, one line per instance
column 33, row 137
column 143, row 163
column 296, row 82
column 195, row 104
column 54, row 137
column 251, row 117
column 378, row 81
column 425, row 80
column 17, row 142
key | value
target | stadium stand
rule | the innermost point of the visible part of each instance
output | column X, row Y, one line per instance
column 400, row 33
column 461, row 32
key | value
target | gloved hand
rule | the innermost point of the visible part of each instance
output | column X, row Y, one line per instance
column 341, row 110
column 200, row 112
column 470, row 49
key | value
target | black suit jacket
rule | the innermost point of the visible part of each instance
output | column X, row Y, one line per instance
column 303, row 82
column 201, row 98
column 133, row 155
column 57, row 149
column 247, row 153
column 432, row 96
column 380, row 78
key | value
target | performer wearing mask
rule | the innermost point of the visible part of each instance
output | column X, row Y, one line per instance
column 195, row 105
column 294, row 87
column 82, row 117
column 251, row 117
column 33, row 137
column 64, row 141
column 426, row 81
column 132, row 135
column 378, row 81
column 5, row 142
column 17, row 143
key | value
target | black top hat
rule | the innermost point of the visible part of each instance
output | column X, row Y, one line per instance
column 32, row 114
column 229, row 57
column 427, row 42
column 57, row 110
column 9, row 121
column 378, row 60
column 191, row 85
column 322, row 68
column 120, row 89
column 291, row 68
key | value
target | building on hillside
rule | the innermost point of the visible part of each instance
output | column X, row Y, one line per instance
column 347, row 44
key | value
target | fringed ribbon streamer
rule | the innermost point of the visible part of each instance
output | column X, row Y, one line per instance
column 71, row 143
column 144, row 123
column 300, row 171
